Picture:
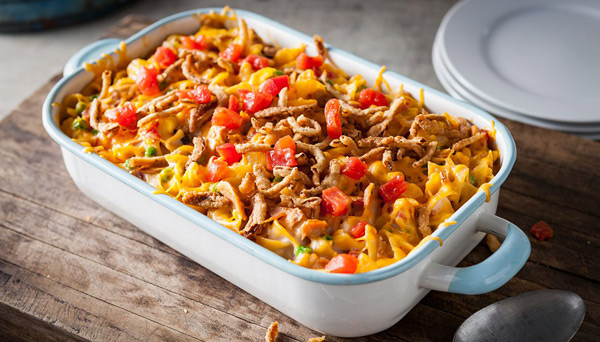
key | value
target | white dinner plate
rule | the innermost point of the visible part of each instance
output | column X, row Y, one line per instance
column 536, row 57
column 457, row 91
column 442, row 72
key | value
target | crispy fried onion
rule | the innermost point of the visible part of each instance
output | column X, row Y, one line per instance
column 348, row 109
column 162, row 114
column 191, row 73
column 257, row 217
column 345, row 141
column 290, row 110
column 304, row 126
column 204, row 199
column 199, row 147
column 431, row 148
column 143, row 163
column 252, row 147
column 199, row 116
column 330, row 180
column 468, row 141
column 387, row 117
column 414, row 144
column 95, row 122
column 273, row 191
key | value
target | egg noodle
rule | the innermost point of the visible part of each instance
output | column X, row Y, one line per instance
column 282, row 147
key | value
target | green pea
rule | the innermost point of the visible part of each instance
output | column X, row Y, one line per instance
column 80, row 123
column 151, row 151
column 302, row 249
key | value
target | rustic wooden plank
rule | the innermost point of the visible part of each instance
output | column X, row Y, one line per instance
column 130, row 294
column 38, row 296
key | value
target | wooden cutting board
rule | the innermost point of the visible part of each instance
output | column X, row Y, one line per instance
column 70, row 270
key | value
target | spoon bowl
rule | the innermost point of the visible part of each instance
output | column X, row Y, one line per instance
column 545, row 315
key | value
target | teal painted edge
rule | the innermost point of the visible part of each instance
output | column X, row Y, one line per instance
column 248, row 246
column 92, row 51
column 497, row 269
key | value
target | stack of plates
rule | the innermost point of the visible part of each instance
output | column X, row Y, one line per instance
column 533, row 61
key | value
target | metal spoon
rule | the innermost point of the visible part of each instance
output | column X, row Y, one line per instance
column 545, row 315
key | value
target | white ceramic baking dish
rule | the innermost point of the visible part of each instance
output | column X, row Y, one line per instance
column 334, row 304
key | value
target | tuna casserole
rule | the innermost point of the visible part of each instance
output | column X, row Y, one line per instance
column 281, row 146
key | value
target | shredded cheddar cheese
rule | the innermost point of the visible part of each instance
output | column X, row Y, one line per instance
column 282, row 147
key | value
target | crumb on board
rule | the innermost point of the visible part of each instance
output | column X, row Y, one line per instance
column 492, row 242
column 88, row 218
column 273, row 330
column 542, row 231
column 185, row 311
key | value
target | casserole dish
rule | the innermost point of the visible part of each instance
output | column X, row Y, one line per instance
column 322, row 301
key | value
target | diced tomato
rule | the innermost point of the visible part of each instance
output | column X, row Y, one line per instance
column 257, row 62
column 332, row 118
column 165, row 56
column 232, row 53
column 304, row 62
column 370, row 97
column 146, row 81
column 274, row 85
column 335, row 202
column 286, row 142
column 393, row 189
column 342, row 263
column 228, row 153
column 124, row 115
column 193, row 42
column 284, row 153
column 216, row 170
column 358, row 230
column 542, row 231
column 281, row 157
column 226, row 118
column 198, row 95
column 234, row 104
column 253, row 101
column 150, row 131
column 354, row 168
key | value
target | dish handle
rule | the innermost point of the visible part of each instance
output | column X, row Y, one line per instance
column 90, row 52
column 489, row 274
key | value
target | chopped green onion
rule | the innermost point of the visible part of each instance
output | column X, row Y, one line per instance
column 127, row 166
column 472, row 180
column 80, row 107
column 278, row 72
column 80, row 123
column 330, row 83
column 277, row 179
column 327, row 237
column 94, row 96
column 165, row 175
column 151, row 151
column 162, row 85
column 95, row 131
column 214, row 188
column 170, row 90
column 302, row 249
column 362, row 87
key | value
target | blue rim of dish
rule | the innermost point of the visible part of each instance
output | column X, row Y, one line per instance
column 253, row 248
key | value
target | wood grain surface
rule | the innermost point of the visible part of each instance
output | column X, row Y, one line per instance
column 72, row 271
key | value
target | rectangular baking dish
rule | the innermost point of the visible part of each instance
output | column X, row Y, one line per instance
column 335, row 304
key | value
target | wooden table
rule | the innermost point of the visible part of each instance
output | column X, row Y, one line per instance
column 70, row 270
